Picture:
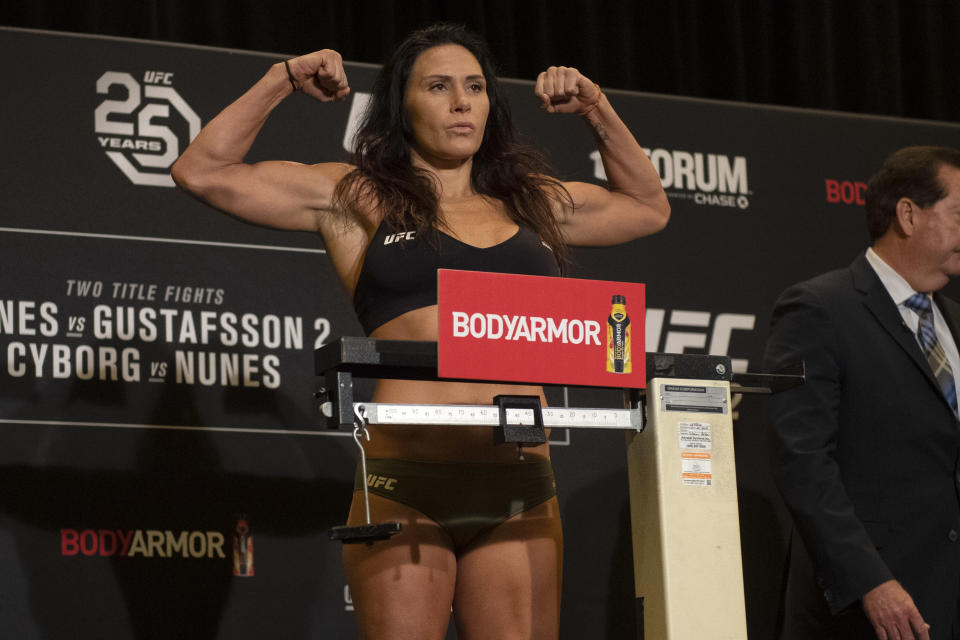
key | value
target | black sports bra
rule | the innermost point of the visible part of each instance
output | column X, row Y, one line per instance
column 399, row 271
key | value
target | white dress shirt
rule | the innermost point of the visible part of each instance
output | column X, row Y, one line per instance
column 900, row 291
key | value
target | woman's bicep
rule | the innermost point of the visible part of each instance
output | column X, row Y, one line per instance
column 284, row 195
column 603, row 217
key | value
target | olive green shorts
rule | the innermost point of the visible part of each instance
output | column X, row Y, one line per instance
column 467, row 500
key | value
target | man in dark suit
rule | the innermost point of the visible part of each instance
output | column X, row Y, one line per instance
column 868, row 456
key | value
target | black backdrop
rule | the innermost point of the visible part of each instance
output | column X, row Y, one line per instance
column 892, row 57
column 80, row 457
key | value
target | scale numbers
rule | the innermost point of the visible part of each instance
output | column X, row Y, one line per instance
column 485, row 415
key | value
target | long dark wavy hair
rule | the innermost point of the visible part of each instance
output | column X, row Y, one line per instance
column 503, row 168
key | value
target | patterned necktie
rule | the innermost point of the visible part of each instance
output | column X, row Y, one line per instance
column 920, row 302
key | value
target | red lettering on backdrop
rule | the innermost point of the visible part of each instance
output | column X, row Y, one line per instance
column 108, row 542
column 124, row 540
column 69, row 542
column 846, row 191
column 88, row 542
column 105, row 542
column 536, row 329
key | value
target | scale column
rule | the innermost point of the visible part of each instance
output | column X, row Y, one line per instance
column 688, row 571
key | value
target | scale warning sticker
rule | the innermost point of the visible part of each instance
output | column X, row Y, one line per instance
column 695, row 468
column 695, row 435
column 693, row 399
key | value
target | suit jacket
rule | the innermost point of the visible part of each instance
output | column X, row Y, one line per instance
column 868, row 450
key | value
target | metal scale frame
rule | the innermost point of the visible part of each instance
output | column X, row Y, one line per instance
column 688, row 573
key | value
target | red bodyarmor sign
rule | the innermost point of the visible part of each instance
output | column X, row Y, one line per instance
column 537, row 329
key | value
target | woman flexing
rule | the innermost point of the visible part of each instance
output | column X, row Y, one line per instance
column 438, row 181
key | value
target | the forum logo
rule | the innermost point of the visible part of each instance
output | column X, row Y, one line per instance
column 141, row 127
column 713, row 179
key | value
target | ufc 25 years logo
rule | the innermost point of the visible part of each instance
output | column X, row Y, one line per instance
column 141, row 126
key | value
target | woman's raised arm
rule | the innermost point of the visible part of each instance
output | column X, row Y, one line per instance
column 634, row 203
column 286, row 195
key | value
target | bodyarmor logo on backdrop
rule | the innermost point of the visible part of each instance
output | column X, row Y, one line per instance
column 846, row 191
column 143, row 543
column 706, row 178
column 140, row 132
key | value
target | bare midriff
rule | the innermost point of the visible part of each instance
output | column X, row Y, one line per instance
column 439, row 443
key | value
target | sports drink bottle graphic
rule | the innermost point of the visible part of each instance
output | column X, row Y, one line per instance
column 618, row 338
column 242, row 549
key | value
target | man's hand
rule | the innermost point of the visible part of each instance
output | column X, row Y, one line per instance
column 892, row 613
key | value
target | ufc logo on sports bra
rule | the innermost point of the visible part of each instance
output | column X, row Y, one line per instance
column 397, row 237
